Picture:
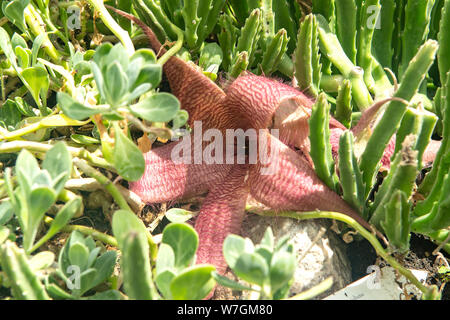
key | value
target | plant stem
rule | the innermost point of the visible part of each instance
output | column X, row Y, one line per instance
column 104, row 181
column 113, row 25
column 172, row 51
column 103, row 237
column 16, row 146
column 315, row 291
column 35, row 22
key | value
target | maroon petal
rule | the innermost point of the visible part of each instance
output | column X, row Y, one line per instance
column 221, row 214
column 430, row 152
column 293, row 185
column 165, row 179
column 257, row 98
column 336, row 133
column 198, row 94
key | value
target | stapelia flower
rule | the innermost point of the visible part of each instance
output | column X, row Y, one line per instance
column 249, row 102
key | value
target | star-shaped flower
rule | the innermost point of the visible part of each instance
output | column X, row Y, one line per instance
column 249, row 102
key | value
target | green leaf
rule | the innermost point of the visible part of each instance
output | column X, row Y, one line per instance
column 24, row 107
column 163, row 281
column 23, row 56
column 234, row 246
column 58, row 161
column 147, row 55
column 56, row 292
column 92, row 256
column 178, row 215
column 37, row 43
column 165, row 259
column 127, row 158
column 18, row 41
column 147, row 69
column 78, row 255
column 37, row 80
column 98, row 77
column 264, row 252
column 151, row 74
column 4, row 234
column 252, row 268
column 160, row 107
column 105, row 266
column 26, row 169
column 5, row 45
column 75, row 110
column 99, row 58
column 211, row 58
column 6, row 212
column 268, row 238
column 184, row 241
column 282, row 269
column 123, row 222
column 42, row 260
column 40, row 200
column 14, row 11
column 116, row 84
column 117, row 54
column 10, row 114
column 42, row 179
column 139, row 91
column 86, row 279
column 63, row 217
column 63, row 259
column 84, row 140
column 194, row 283
column 180, row 119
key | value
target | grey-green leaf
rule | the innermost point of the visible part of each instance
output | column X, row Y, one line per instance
column 128, row 159
column 184, row 241
column 252, row 268
column 160, row 107
column 194, row 283
column 75, row 110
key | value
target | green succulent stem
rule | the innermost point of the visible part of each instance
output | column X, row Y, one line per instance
column 320, row 142
column 350, row 176
column 434, row 176
column 308, row 70
column 346, row 26
column 444, row 42
column 403, row 179
column 332, row 49
column 382, row 38
column 191, row 22
column 174, row 49
column 394, row 112
column 25, row 282
column 417, row 21
column 368, row 24
column 108, row 20
column 35, row 22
